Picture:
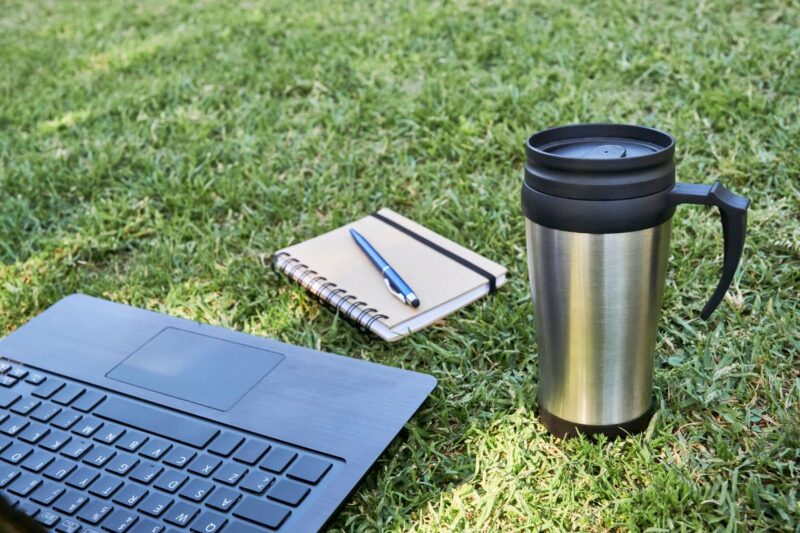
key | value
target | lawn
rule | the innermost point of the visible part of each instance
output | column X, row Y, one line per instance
column 153, row 152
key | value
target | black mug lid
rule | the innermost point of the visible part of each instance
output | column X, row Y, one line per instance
column 600, row 161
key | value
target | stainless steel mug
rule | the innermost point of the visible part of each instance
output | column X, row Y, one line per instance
column 598, row 201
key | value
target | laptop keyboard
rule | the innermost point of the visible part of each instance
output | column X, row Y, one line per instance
column 77, row 458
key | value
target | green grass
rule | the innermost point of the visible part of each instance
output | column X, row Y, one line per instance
column 151, row 152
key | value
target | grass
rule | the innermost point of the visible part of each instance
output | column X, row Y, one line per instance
column 152, row 151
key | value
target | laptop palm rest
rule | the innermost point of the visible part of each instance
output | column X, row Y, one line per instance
column 197, row 368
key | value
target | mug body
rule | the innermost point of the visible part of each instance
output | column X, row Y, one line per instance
column 598, row 201
column 597, row 299
column 598, row 221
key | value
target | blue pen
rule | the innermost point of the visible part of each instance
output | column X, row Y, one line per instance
column 392, row 279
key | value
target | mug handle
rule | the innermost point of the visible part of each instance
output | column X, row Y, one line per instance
column 733, row 213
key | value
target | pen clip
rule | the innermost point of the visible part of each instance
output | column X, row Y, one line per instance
column 394, row 290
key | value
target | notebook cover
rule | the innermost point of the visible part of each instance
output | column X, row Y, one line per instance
column 434, row 277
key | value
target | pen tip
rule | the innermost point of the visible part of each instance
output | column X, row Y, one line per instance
column 415, row 302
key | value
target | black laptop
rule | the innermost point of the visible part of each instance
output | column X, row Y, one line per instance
column 117, row 419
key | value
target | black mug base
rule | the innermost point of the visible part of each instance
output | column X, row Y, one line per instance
column 565, row 429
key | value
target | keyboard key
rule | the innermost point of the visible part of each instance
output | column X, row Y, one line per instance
column 171, row 481
column 48, row 518
column 66, row 419
column 148, row 526
column 4, row 367
column 223, row 499
column 14, row 425
column 15, row 453
column 179, row 456
column 34, row 433
column 88, row 401
column 70, row 502
column 55, row 440
column 24, row 484
column 60, row 469
column 162, row 423
column 48, row 388
column 7, row 474
column 45, row 412
column 240, row 527
column 261, row 512
column 8, row 381
column 251, row 452
column 17, row 372
column 106, row 486
column 8, row 397
column 99, row 456
column 155, row 448
column 225, row 443
column 5, row 442
column 82, row 477
column 204, row 465
column 37, row 461
column 209, row 522
column 35, row 379
column 68, row 526
column 28, row 509
column 26, row 405
column 197, row 490
column 181, row 514
column 48, row 493
column 309, row 469
column 155, row 504
column 88, row 426
column 146, row 472
column 288, row 492
column 131, row 440
column 122, row 463
column 68, row 394
column 120, row 521
column 130, row 495
column 278, row 459
column 109, row 433
column 230, row 474
column 75, row 448
column 256, row 482
column 95, row 511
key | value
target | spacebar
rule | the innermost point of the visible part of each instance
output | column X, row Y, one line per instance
column 155, row 421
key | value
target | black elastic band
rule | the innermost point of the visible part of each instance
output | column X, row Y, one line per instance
column 447, row 253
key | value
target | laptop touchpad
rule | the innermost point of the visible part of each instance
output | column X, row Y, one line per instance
column 196, row 368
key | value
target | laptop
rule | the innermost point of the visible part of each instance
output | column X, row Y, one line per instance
column 118, row 419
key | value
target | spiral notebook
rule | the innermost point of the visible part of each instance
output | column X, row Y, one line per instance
column 444, row 275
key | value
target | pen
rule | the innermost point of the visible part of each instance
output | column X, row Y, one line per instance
column 392, row 279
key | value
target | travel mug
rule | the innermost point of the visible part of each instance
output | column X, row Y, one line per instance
column 598, row 201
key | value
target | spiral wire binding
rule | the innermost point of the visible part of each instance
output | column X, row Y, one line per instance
column 349, row 305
